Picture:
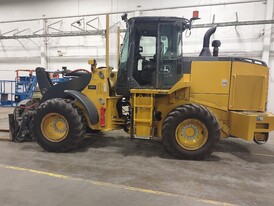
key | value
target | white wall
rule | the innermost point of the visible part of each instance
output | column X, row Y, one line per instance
column 244, row 41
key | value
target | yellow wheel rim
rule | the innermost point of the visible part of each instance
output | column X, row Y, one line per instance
column 54, row 127
column 191, row 134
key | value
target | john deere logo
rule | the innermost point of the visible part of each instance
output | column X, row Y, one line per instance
column 166, row 69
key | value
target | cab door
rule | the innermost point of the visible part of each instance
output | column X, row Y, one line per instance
column 169, row 55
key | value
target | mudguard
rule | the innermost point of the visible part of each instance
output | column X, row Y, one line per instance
column 87, row 104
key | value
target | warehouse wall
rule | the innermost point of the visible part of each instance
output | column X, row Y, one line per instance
column 15, row 54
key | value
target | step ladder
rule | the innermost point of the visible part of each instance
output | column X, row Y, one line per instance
column 143, row 106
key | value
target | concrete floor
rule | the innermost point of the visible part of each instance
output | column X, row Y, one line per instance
column 110, row 169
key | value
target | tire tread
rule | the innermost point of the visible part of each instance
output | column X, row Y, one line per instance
column 185, row 111
column 68, row 108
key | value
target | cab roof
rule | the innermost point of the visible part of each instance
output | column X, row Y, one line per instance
column 155, row 19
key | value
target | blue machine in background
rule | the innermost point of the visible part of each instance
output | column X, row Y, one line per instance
column 14, row 91
column 23, row 87
column 7, row 93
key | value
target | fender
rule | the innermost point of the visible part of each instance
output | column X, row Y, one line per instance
column 90, row 108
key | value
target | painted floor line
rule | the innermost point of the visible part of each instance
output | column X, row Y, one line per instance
column 106, row 184
column 266, row 155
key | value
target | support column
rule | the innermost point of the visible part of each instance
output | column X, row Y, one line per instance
column 266, row 54
column 44, row 45
column 267, row 31
column 107, row 42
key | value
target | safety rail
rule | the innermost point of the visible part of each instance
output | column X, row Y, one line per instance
column 7, row 93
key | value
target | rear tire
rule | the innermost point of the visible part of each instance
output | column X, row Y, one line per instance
column 190, row 132
column 58, row 127
column 87, row 129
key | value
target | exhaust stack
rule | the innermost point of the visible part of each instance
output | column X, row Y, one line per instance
column 205, row 51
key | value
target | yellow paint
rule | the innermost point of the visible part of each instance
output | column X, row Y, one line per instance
column 221, row 86
column 179, row 85
column 101, row 91
column 266, row 155
column 107, row 42
column 117, row 186
column 219, row 101
column 212, row 85
column 191, row 134
column 248, row 87
column 210, row 77
column 91, row 62
column 143, row 105
column 245, row 124
column 54, row 127
column 149, row 91
column 98, row 91
column 223, row 119
column 35, row 171
column 165, row 104
column 118, row 45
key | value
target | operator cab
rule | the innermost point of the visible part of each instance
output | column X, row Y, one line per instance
column 151, row 56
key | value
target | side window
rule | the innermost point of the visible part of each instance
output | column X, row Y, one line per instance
column 124, row 53
column 180, row 45
column 164, row 41
column 145, row 50
column 170, row 70
column 122, row 71
column 146, row 61
column 171, row 41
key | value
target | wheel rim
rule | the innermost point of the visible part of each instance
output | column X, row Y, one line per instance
column 191, row 134
column 54, row 127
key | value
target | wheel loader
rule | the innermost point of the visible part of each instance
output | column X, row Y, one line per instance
column 156, row 93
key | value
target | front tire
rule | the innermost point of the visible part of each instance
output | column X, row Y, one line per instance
column 190, row 132
column 58, row 127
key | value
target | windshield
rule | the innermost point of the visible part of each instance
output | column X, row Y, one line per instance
column 124, row 50
column 122, row 71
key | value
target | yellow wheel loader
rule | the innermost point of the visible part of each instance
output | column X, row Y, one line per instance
column 157, row 94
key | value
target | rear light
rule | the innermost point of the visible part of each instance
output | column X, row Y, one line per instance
column 102, row 117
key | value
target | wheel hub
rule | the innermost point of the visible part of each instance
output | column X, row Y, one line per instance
column 59, row 125
column 190, row 131
column 191, row 134
column 54, row 127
